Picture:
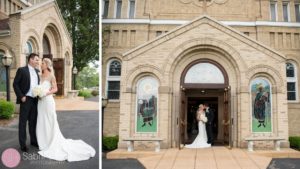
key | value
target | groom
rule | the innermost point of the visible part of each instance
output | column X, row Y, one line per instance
column 209, row 124
column 26, row 79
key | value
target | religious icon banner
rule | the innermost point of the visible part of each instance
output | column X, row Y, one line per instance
column 261, row 105
column 146, row 117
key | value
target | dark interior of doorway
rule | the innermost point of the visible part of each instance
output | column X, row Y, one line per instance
column 192, row 125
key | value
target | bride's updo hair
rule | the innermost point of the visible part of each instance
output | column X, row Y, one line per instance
column 49, row 65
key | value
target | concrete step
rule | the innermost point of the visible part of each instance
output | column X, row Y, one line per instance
column 283, row 153
column 123, row 154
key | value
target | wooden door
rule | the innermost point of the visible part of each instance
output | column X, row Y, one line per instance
column 58, row 66
column 181, row 121
column 50, row 56
column 226, row 117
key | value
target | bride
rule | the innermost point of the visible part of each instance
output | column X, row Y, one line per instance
column 201, row 139
column 52, row 144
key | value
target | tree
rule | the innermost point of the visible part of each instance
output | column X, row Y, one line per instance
column 88, row 78
column 82, row 20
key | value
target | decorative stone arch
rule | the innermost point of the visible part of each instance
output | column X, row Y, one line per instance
column 34, row 35
column 114, row 55
column 139, row 72
column 293, row 58
column 270, row 73
column 54, row 38
column 203, row 43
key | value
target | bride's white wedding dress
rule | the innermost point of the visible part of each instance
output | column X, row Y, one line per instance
column 201, row 139
column 52, row 143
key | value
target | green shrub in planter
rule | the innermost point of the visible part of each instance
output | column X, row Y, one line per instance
column 295, row 142
column 6, row 109
column 110, row 143
column 95, row 92
column 85, row 93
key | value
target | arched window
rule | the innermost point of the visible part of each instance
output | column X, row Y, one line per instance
column 147, row 95
column 46, row 46
column 113, row 79
column 291, row 74
column 261, row 97
column 2, row 73
column 29, row 47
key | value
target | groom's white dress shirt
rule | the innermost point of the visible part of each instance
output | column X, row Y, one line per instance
column 33, row 80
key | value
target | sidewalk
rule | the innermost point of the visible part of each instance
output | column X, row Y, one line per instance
column 217, row 157
column 79, row 103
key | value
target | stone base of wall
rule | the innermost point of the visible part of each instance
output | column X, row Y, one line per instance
column 111, row 119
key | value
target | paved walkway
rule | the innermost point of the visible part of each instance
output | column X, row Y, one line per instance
column 79, row 103
column 75, row 125
column 217, row 157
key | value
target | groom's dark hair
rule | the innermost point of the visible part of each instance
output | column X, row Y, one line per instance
column 31, row 56
column 206, row 105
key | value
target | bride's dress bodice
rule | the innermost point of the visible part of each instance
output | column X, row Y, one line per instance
column 46, row 84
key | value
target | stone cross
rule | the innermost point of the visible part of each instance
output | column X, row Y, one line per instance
column 204, row 5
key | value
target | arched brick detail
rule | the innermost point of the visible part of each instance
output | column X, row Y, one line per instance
column 207, row 44
column 143, row 70
column 267, row 71
column 111, row 56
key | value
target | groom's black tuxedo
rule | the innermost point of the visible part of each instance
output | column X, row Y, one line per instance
column 22, row 82
column 209, row 126
column 28, row 109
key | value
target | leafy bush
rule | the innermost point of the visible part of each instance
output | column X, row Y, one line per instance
column 95, row 92
column 6, row 109
column 85, row 93
column 110, row 143
column 295, row 142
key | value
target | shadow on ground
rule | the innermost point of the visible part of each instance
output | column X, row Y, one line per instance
column 284, row 163
column 121, row 164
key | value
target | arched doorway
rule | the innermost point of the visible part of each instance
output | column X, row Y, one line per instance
column 204, row 81
column 52, row 48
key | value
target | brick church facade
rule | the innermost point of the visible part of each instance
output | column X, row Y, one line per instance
column 34, row 26
column 161, row 59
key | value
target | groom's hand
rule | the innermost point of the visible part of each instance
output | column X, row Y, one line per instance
column 23, row 99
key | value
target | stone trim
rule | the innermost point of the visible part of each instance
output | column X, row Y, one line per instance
column 196, row 22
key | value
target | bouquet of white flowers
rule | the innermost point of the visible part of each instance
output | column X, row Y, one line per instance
column 203, row 118
column 38, row 91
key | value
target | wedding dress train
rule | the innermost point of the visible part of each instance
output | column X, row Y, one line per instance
column 201, row 139
column 52, row 143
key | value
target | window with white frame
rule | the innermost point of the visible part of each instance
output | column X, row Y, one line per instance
column 113, row 79
column 118, row 8
column 297, row 12
column 286, row 11
column 273, row 10
column 105, row 8
column 291, row 74
column 131, row 11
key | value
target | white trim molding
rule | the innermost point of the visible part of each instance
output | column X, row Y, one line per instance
column 180, row 22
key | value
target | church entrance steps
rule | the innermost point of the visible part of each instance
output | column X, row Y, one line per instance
column 215, row 157
column 283, row 153
column 123, row 153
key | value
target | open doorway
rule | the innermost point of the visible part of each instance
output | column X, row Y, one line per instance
column 192, row 124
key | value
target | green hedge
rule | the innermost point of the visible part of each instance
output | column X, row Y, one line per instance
column 110, row 143
column 95, row 93
column 85, row 93
column 295, row 142
column 6, row 109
